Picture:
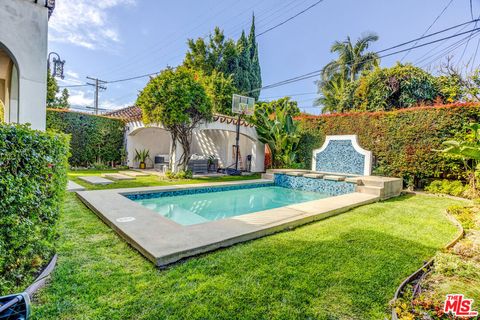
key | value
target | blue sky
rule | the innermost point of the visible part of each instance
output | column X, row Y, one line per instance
column 116, row 39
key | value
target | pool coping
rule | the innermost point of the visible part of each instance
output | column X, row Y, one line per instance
column 164, row 242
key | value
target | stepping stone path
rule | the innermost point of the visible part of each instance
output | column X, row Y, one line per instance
column 134, row 173
column 72, row 187
column 117, row 176
column 95, row 180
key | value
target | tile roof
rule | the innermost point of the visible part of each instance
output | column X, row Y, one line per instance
column 134, row 113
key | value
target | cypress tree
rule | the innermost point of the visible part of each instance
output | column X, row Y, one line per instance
column 242, row 75
column 255, row 71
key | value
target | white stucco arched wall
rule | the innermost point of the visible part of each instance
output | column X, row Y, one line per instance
column 24, row 34
column 155, row 139
column 214, row 138
column 219, row 143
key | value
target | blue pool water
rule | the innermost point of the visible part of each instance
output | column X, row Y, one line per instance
column 200, row 207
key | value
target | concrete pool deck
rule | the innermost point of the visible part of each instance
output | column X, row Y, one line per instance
column 164, row 242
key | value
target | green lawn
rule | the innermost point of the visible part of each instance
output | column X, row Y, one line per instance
column 148, row 181
column 345, row 267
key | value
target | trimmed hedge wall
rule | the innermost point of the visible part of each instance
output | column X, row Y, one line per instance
column 94, row 139
column 33, row 178
column 402, row 141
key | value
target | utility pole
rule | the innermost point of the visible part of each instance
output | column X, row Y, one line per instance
column 98, row 84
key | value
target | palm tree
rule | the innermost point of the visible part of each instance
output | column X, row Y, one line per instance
column 331, row 92
column 352, row 58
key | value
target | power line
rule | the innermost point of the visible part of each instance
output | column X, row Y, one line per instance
column 291, row 18
column 466, row 45
column 317, row 72
column 98, row 84
column 431, row 25
column 443, row 52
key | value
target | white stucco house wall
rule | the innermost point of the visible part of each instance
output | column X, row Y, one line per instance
column 23, row 60
column 215, row 138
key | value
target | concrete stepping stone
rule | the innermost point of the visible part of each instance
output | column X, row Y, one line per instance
column 117, row 176
column 314, row 175
column 95, row 180
column 134, row 173
column 356, row 180
column 295, row 174
column 73, row 186
column 334, row 178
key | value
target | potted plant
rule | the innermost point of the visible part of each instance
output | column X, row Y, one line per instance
column 141, row 156
column 211, row 162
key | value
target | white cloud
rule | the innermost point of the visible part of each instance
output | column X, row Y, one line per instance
column 79, row 98
column 111, row 105
column 71, row 78
column 85, row 23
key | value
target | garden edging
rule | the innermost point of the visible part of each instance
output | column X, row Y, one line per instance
column 426, row 267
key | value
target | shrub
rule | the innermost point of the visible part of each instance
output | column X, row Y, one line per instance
column 94, row 139
column 453, row 188
column 402, row 141
column 465, row 215
column 33, row 177
column 182, row 174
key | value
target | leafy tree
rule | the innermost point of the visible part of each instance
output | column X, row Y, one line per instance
column 62, row 101
column 401, row 86
column 52, row 91
column 332, row 92
column 240, row 59
column 352, row 58
column 271, row 107
column 279, row 132
column 255, row 71
column 219, row 89
column 176, row 99
column 242, row 75
column 456, row 85
column 218, row 54
column 467, row 149
column 55, row 100
column 352, row 61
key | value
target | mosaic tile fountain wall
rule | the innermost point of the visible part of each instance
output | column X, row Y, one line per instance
column 332, row 188
column 340, row 157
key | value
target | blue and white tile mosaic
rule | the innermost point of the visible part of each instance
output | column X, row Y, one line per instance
column 332, row 188
column 341, row 157
column 183, row 192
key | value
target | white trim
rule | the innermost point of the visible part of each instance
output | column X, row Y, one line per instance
column 367, row 169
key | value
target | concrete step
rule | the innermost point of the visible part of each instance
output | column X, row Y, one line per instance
column 334, row 178
column 373, row 190
column 117, row 176
column 134, row 173
column 267, row 176
column 95, row 180
column 73, row 186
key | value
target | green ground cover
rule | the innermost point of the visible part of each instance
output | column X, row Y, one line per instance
column 345, row 267
column 148, row 181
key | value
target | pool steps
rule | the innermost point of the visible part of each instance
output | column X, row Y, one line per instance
column 383, row 187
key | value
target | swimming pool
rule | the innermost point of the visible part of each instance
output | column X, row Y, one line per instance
column 195, row 206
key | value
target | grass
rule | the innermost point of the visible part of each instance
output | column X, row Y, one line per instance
column 345, row 267
column 148, row 181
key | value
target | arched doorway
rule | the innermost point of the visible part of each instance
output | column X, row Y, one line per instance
column 9, row 86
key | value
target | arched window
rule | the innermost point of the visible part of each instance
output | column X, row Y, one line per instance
column 9, row 86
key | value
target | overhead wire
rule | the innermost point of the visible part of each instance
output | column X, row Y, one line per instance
column 430, row 26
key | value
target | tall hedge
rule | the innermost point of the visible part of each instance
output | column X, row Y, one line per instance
column 402, row 141
column 33, row 177
column 94, row 138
